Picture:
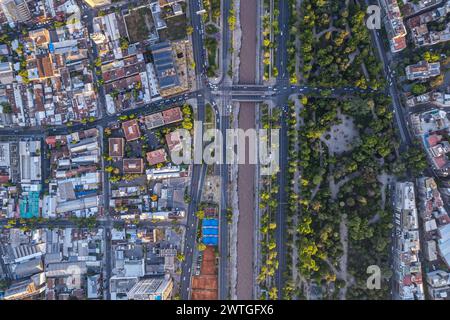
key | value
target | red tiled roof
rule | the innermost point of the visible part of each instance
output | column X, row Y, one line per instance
column 45, row 67
column 440, row 161
column 407, row 280
column 131, row 130
column 116, row 147
column 4, row 179
column 173, row 139
column 157, row 156
column 172, row 115
column 50, row 140
column 133, row 165
column 417, row 278
column 433, row 140
column 400, row 43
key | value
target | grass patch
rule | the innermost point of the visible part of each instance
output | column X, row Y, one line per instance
column 139, row 23
column 176, row 28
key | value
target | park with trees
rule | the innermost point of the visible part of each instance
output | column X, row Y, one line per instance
column 341, row 204
column 334, row 45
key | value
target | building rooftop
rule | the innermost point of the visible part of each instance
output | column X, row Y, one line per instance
column 116, row 147
column 172, row 115
column 133, row 166
column 131, row 130
column 157, row 156
column 173, row 140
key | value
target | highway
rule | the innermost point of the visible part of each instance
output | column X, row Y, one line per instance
column 223, row 125
column 198, row 171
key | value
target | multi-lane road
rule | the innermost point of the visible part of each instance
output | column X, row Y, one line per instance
column 198, row 171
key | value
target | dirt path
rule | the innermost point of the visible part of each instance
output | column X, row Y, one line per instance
column 343, row 263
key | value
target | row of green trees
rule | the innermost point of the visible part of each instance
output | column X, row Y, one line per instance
column 268, row 204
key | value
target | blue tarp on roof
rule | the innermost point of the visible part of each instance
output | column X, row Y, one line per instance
column 210, row 231
column 210, row 222
column 211, row 241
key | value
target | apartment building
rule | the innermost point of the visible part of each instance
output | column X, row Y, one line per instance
column 423, row 70
column 394, row 25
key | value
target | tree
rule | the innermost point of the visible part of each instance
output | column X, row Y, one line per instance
column 109, row 169
column 200, row 214
column 118, row 226
column 98, row 62
column 4, row 284
column 124, row 43
column 415, row 160
column 273, row 293
column 232, row 20
column 58, row 24
column 6, row 107
column 180, row 257
column 201, row 246
column 304, row 100
column 418, row 89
